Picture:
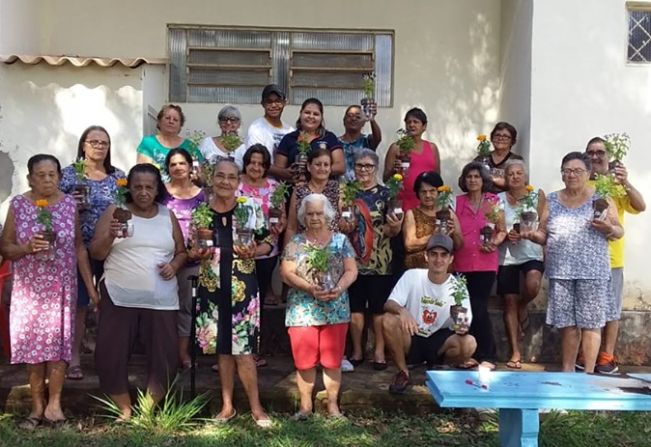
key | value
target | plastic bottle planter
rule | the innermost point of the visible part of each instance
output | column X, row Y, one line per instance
column 48, row 254
column 275, row 214
column 123, row 216
column 204, row 238
column 396, row 208
column 600, row 208
column 326, row 281
column 301, row 161
column 486, row 233
column 347, row 214
column 366, row 108
column 528, row 220
column 516, row 227
column 243, row 237
column 441, row 222
column 459, row 317
column 83, row 191
column 405, row 161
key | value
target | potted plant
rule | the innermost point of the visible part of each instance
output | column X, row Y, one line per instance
column 202, row 223
column 121, row 212
column 230, row 142
column 443, row 215
column 349, row 190
column 81, row 185
column 606, row 186
column 196, row 137
column 527, row 214
column 318, row 261
column 492, row 219
column 277, row 199
column 304, row 149
column 617, row 146
column 44, row 217
column 243, row 231
column 405, row 144
column 368, row 87
column 394, row 184
column 459, row 313
column 484, row 150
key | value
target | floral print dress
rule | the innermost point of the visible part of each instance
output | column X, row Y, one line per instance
column 44, row 296
column 228, row 318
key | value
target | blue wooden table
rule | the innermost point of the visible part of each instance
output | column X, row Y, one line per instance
column 519, row 395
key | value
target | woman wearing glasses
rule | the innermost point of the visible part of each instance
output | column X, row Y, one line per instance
column 228, row 120
column 99, row 177
column 576, row 261
column 503, row 137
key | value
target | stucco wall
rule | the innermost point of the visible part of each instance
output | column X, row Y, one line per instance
column 582, row 86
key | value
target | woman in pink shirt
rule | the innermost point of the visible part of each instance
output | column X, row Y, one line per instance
column 482, row 226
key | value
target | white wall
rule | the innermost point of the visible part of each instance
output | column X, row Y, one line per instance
column 582, row 86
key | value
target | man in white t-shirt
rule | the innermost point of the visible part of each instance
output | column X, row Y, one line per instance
column 269, row 129
column 417, row 326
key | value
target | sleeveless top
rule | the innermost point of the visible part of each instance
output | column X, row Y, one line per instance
column 131, row 270
column 424, row 227
column 523, row 250
column 427, row 160
column 575, row 250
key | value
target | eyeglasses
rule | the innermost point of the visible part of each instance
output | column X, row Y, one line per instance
column 501, row 136
column 229, row 119
column 575, row 171
column 228, row 178
column 97, row 143
column 599, row 154
column 364, row 166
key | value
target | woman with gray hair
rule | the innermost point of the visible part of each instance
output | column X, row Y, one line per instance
column 228, row 144
column 519, row 258
column 318, row 265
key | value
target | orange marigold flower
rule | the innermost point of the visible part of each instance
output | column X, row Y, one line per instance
column 482, row 137
column 42, row 203
column 121, row 182
column 529, row 188
column 443, row 188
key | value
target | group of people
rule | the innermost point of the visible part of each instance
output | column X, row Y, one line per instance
column 405, row 252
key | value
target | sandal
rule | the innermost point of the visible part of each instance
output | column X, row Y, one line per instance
column 55, row 423
column 265, row 422
column 379, row 366
column 75, row 373
column 356, row 362
column 30, row 423
column 224, row 419
column 299, row 416
column 514, row 364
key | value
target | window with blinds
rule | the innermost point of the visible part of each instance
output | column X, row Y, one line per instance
column 639, row 35
column 227, row 65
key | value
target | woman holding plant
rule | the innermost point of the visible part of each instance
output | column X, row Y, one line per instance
column 411, row 155
column 228, row 144
column 503, row 137
column 482, row 225
column 228, row 322
column 91, row 180
column 519, row 257
column 181, row 197
column 433, row 214
column 319, row 266
column 309, row 136
column 42, row 234
column 577, row 261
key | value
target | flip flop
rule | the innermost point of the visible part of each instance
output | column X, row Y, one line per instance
column 263, row 422
column 75, row 373
column 514, row 364
column 55, row 423
column 224, row 420
column 30, row 423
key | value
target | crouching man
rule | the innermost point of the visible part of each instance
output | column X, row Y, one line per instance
column 417, row 326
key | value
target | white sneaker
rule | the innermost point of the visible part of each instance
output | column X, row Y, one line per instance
column 346, row 366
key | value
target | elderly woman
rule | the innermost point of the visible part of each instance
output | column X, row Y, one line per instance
column 311, row 127
column 420, row 222
column 181, row 197
column 42, row 313
column 154, row 148
column 225, row 145
column 576, row 261
column 99, row 176
column 519, row 258
column 318, row 314
column 503, row 138
column 371, row 237
column 229, row 318
column 482, row 225
column 423, row 157
column 138, row 289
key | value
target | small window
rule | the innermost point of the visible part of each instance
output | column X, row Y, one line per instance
column 233, row 65
column 639, row 35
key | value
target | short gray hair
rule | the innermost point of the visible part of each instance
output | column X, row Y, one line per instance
column 228, row 161
column 328, row 210
column 517, row 162
column 229, row 112
column 366, row 152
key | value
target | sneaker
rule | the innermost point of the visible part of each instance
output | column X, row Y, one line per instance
column 346, row 366
column 579, row 364
column 400, row 383
column 606, row 364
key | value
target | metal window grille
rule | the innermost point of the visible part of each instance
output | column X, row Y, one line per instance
column 639, row 35
column 226, row 65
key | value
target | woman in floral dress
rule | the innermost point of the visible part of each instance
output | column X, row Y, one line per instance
column 44, row 296
column 229, row 318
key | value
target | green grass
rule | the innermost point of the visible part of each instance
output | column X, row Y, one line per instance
column 468, row 429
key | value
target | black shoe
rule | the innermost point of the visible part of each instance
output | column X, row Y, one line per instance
column 400, row 383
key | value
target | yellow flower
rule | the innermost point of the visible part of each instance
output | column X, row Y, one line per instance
column 397, row 177
column 42, row 203
column 121, row 182
column 529, row 188
column 481, row 137
column 241, row 199
column 443, row 188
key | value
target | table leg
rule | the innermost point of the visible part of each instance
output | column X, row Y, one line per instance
column 519, row 427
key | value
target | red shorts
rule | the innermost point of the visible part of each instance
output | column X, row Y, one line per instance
column 318, row 344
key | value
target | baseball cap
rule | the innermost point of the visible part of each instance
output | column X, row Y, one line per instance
column 272, row 89
column 440, row 240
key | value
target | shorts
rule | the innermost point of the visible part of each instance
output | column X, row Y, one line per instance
column 96, row 270
column 370, row 292
column 426, row 349
column 508, row 276
column 614, row 304
column 578, row 302
column 312, row 345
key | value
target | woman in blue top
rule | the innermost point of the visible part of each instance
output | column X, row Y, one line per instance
column 100, row 177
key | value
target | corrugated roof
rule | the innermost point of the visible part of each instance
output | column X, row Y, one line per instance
column 79, row 61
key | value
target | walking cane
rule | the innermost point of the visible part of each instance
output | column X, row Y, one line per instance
column 193, row 329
